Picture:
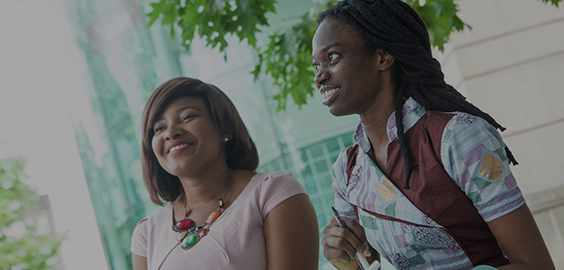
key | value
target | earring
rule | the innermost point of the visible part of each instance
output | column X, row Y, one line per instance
column 225, row 139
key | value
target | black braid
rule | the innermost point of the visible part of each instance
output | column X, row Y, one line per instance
column 396, row 28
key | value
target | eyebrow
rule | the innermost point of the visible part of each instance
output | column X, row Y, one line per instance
column 187, row 107
column 179, row 110
column 336, row 44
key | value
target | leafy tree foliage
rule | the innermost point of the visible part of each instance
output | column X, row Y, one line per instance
column 554, row 2
column 33, row 249
column 287, row 57
column 213, row 19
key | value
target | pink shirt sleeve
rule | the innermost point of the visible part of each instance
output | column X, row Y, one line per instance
column 139, row 238
column 276, row 188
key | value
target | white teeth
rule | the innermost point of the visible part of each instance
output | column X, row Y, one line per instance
column 177, row 147
column 328, row 93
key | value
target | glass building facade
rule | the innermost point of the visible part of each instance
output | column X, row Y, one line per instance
column 126, row 61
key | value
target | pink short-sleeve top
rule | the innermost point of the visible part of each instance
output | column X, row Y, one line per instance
column 234, row 241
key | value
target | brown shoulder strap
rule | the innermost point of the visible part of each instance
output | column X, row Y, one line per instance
column 352, row 152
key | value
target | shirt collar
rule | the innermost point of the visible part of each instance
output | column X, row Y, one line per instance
column 412, row 112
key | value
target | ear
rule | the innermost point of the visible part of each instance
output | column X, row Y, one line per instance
column 226, row 137
column 384, row 60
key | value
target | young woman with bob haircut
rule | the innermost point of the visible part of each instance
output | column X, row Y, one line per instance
column 221, row 214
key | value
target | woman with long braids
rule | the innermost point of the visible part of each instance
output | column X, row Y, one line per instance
column 427, row 184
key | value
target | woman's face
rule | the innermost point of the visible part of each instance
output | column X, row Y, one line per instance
column 348, row 74
column 186, row 141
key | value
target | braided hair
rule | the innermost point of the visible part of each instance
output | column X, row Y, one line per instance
column 397, row 29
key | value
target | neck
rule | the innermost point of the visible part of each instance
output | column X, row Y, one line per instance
column 375, row 118
column 206, row 187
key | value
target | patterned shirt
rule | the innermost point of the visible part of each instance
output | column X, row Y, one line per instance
column 473, row 156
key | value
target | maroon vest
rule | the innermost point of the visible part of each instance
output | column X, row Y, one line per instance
column 434, row 192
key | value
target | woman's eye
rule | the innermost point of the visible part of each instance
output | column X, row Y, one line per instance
column 188, row 116
column 157, row 129
column 333, row 56
column 315, row 67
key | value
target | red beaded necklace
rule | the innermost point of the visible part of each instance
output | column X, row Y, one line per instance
column 188, row 235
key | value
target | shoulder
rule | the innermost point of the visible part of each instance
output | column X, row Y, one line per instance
column 156, row 217
column 159, row 213
column 142, row 233
column 141, row 228
column 279, row 181
column 466, row 130
column 464, row 122
column 436, row 117
column 434, row 123
column 271, row 189
column 466, row 140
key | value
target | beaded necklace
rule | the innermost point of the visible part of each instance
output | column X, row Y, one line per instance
column 188, row 236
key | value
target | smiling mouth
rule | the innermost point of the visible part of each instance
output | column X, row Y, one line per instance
column 329, row 94
column 177, row 148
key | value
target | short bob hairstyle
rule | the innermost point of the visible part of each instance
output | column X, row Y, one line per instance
column 241, row 152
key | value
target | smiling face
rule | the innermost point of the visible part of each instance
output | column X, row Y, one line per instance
column 186, row 140
column 349, row 75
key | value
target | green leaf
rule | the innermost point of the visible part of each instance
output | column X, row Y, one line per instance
column 553, row 2
column 213, row 20
column 287, row 59
column 441, row 19
column 154, row 15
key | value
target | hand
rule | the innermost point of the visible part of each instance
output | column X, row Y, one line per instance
column 340, row 245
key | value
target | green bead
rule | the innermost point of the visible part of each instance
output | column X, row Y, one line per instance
column 189, row 241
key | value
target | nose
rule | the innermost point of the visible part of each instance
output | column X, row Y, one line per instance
column 321, row 76
column 172, row 132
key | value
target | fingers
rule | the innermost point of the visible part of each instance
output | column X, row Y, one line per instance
column 335, row 246
column 358, row 231
column 340, row 244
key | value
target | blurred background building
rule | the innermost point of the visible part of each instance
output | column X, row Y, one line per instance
column 510, row 65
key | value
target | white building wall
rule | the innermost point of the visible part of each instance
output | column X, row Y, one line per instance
column 511, row 65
